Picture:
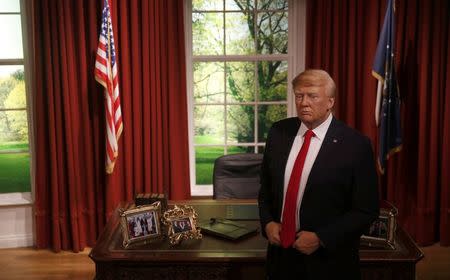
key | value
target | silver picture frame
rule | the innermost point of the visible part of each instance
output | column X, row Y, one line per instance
column 141, row 224
column 381, row 233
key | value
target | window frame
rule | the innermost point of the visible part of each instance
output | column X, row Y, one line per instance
column 22, row 198
column 295, row 60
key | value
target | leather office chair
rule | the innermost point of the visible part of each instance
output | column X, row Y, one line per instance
column 237, row 176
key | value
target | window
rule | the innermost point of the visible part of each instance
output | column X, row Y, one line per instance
column 239, row 66
column 14, row 140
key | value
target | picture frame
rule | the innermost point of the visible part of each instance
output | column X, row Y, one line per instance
column 381, row 233
column 181, row 223
column 141, row 224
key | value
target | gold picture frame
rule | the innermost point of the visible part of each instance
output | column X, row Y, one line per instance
column 141, row 224
column 181, row 223
column 381, row 233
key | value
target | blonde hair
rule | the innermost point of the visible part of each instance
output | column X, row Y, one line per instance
column 316, row 77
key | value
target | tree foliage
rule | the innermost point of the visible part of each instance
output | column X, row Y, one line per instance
column 270, row 37
column 19, row 75
column 249, row 30
column 13, row 119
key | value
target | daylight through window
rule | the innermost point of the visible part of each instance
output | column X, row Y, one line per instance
column 14, row 142
column 239, row 77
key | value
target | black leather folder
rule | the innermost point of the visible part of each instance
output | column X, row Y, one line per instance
column 227, row 229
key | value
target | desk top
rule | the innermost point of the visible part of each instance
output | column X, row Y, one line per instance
column 109, row 245
column 253, row 249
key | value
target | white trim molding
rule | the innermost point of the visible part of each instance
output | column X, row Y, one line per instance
column 17, row 226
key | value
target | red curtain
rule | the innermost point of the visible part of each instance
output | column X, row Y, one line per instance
column 342, row 38
column 73, row 194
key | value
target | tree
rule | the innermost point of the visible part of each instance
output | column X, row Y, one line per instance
column 270, row 37
column 6, row 86
column 19, row 75
column 247, row 32
column 18, row 123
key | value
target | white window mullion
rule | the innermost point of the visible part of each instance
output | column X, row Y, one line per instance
column 296, row 46
column 294, row 58
column 246, row 103
column 262, row 57
column 225, row 110
column 11, row 61
column 255, row 69
column 225, row 106
column 190, row 87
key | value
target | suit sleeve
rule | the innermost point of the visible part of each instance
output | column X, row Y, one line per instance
column 365, row 203
column 265, row 198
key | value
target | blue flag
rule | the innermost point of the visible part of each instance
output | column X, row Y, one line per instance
column 387, row 111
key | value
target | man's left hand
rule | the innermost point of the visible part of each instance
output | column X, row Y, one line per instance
column 307, row 242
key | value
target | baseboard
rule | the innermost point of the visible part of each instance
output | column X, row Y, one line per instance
column 15, row 241
column 17, row 226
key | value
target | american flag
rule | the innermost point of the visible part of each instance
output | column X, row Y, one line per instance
column 106, row 74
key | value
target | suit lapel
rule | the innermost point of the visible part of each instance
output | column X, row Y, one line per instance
column 285, row 150
column 332, row 138
column 290, row 137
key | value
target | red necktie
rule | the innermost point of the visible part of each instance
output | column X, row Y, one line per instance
column 290, row 202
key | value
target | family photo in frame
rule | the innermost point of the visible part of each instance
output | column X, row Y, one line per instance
column 181, row 224
column 141, row 224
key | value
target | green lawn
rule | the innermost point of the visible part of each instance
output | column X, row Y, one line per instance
column 15, row 168
column 8, row 146
column 204, row 161
column 207, row 139
column 14, row 173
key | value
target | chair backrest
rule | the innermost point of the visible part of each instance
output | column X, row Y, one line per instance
column 237, row 176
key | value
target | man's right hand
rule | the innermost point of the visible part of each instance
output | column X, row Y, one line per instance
column 273, row 232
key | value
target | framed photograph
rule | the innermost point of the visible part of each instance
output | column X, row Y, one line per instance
column 381, row 233
column 181, row 224
column 141, row 224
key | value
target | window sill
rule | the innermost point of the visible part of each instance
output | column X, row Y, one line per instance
column 202, row 190
column 15, row 199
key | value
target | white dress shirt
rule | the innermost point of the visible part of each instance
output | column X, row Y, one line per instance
column 314, row 147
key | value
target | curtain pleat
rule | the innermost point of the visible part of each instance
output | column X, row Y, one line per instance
column 73, row 195
column 342, row 38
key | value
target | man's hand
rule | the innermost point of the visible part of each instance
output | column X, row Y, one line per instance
column 307, row 242
column 273, row 232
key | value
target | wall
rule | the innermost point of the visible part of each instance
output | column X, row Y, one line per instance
column 16, row 222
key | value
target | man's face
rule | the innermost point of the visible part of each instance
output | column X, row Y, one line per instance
column 312, row 102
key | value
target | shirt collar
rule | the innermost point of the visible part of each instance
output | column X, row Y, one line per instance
column 319, row 131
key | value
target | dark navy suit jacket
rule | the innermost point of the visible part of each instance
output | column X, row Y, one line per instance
column 340, row 199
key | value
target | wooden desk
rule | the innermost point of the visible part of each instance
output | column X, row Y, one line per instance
column 213, row 258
